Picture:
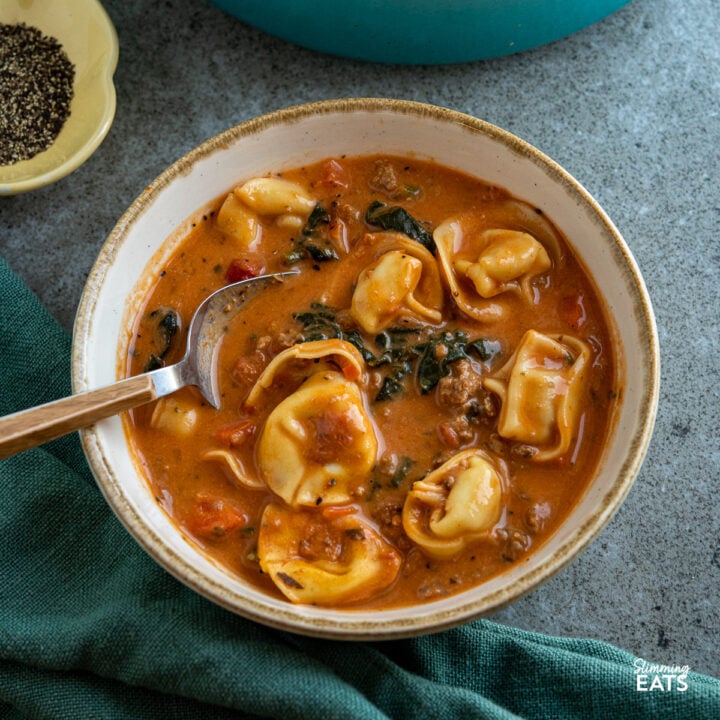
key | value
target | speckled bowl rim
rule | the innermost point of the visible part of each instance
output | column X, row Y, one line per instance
column 424, row 618
column 67, row 154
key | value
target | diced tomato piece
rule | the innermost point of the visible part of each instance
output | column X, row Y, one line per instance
column 348, row 368
column 448, row 435
column 246, row 369
column 334, row 174
column 572, row 310
column 235, row 434
column 213, row 517
column 338, row 232
column 241, row 270
column 337, row 511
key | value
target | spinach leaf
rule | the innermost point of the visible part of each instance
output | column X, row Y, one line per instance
column 320, row 323
column 486, row 350
column 401, row 471
column 444, row 348
column 166, row 327
column 319, row 216
column 397, row 351
column 434, row 363
column 394, row 217
column 392, row 384
column 303, row 250
column 313, row 243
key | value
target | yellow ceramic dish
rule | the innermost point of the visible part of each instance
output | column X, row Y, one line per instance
column 89, row 39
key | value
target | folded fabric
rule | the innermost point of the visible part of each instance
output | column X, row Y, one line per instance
column 91, row 627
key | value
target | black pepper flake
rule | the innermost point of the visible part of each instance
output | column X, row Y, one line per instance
column 36, row 87
column 291, row 582
column 355, row 533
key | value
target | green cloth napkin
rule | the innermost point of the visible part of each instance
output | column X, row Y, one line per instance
column 91, row 627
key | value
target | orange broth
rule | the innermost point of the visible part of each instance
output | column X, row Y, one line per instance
column 416, row 430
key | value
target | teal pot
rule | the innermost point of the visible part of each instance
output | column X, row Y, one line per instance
column 420, row 31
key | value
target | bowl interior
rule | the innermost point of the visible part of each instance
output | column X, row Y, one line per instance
column 88, row 37
column 305, row 134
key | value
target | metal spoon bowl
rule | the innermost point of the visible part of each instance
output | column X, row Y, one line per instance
column 29, row 428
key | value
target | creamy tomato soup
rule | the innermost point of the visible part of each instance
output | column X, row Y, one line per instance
column 411, row 414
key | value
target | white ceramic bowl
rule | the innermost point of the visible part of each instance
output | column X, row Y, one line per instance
column 88, row 37
column 303, row 134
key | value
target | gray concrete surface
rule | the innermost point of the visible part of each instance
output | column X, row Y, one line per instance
column 629, row 106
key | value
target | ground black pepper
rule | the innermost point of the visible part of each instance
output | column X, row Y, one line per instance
column 36, row 87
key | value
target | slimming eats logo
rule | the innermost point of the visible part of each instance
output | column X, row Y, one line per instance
column 665, row 678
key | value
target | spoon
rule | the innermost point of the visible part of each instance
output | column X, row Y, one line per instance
column 29, row 428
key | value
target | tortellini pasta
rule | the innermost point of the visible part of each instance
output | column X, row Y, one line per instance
column 456, row 504
column 319, row 444
column 401, row 283
column 324, row 558
column 481, row 265
column 288, row 201
column 175, row 416
column 509, row 261
column 235, row 468
column 541, row 391
column 275, row 196
column 333, row 354
column 239, row 215
column 237, row 220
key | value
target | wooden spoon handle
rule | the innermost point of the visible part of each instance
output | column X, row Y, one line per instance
column 28, row 428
